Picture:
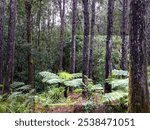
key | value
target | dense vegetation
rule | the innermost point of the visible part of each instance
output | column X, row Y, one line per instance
column 74, row 56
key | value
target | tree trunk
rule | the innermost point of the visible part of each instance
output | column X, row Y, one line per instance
column 92, row 39
column 73, row 42
column 28, row 8
column 39, row 24
column 108, row 60
column 148, row 34
column 138, row 88
column 124, row 60
column 85, row 64
column 2, row 15
column 62, row 30
column 11, row 46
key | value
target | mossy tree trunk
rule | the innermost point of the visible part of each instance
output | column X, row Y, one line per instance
column 138, row 87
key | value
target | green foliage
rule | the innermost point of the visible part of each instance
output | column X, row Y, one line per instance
column 16, row 102
column 53, row 96
column 78, row 91
column 63, row 78
column 20, row 87
column 88, row 106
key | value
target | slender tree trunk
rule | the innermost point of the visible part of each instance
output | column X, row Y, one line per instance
column 92, row 39
column 2, row 15
column 62, row 30
column 124, row 60
column 73, row 42
column 28, row 8
column 108, row 60
column 85, row 64
column 11, row 46
column 39, row 23
column 138, row 88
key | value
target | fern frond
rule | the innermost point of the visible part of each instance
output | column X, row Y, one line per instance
column 55, row 81
column 24, row 88
column 119, row 73
column 47, row 74
column 65, row 75
column 77, row 75
column 114, row 96
column 16, row 85
column 74, row 83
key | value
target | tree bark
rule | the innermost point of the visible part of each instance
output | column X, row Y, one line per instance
column 124, row 59
column 28, row 8
column 39, row 24
column 11, row 46
column 62, row 30
column 85, row 67
column 85, row 64
column 148, row 34
column 108, row 60
column 2, row 15
column 138, row 88
column 92, row 39
column 73, row 42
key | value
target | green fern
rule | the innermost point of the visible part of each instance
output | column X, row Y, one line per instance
column 114, row 96
column 16, row 85
column 74, row 83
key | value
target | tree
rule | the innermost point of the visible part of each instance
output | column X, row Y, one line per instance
column 92, row 39
column 85, row 67
column 108, row 60
column 85, row 64
column 124, row 59
column 73, row 42
column 62, row 30
column 28, row 8
column 2, row 12
column 11, row 46
column 138, row 88
column 148, row 34
column 39, row 22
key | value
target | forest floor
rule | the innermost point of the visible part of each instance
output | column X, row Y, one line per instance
column 77, row 105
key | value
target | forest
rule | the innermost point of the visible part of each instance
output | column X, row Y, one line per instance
column 74, row 56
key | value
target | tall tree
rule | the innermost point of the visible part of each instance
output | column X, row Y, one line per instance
column 124, row 59
column 85, row 67
column 62, row 30
column 85, row 64
column 2, row 14
column 138, row 88
column 11, row 46
column 148, row 34
column 92, row 38
column 73, row 42
column 28, row 8
column 108, row 60
column 39, row 22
